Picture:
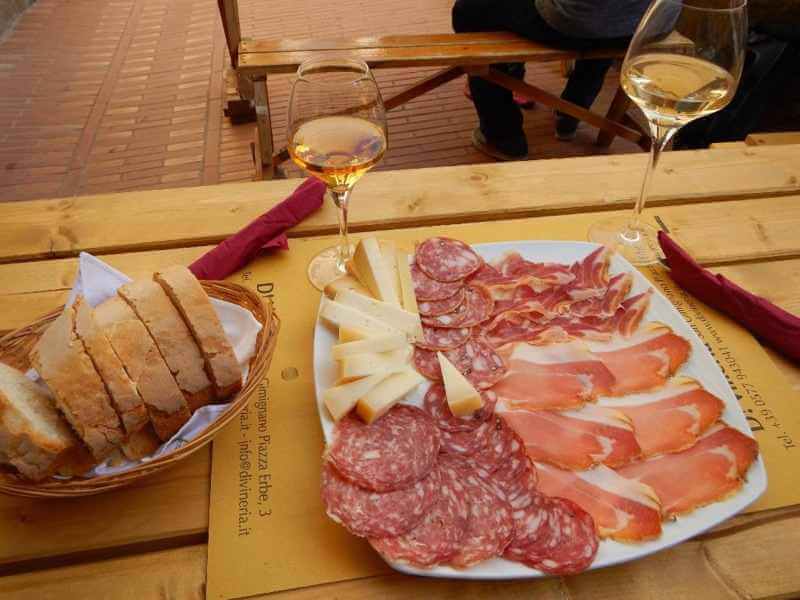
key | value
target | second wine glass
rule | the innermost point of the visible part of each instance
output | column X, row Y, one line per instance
column 337, row 132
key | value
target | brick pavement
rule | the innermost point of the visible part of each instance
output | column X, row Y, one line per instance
column 112, row 95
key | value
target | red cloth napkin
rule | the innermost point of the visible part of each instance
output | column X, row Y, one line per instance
column 266, row 232
column 770, row 323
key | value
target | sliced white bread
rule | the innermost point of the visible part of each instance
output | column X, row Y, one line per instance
column 173, row 338
column 195, row 307
column 78, row 391
column 144, row 364
column 124, row 396
column 34, row 438
column 142, row 443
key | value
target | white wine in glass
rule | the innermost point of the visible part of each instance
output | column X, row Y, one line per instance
column 684, row 62
column 337, row 132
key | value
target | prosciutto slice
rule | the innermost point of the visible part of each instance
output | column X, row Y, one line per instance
column 645, row 360
column 575, row 439
column 514, row 266
column 623, row 509
column 671, row 419
column 558, row 376
column 606, row 305
column 630, row 313
column 590, row 275
column 711, row 470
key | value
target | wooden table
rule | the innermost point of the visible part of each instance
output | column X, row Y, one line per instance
column 734, row 207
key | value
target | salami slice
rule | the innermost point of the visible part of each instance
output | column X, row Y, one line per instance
column 438, row 537
column 373, row 514
column 441, row 338
column 466, row 442
column 573, row 545
column 446, row 259
column 391, row 453
column 427, row 364
column 496, row 451
column 516, row 477
column 433, row 308
column 534, row 528
column 430, row 290
column 435, row 404
column 475, row 309
column 490, row 527
column 478, row 362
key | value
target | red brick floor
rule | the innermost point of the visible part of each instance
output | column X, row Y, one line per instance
column 112, row 95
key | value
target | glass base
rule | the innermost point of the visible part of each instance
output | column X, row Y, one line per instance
column 323, row 268
column 639, row 246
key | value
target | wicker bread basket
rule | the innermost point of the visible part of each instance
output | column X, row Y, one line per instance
column 14, row 349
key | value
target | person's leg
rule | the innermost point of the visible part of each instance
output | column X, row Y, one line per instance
column 583, row 85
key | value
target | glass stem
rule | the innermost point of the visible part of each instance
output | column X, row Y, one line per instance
column 341, row 197
column 660, row 138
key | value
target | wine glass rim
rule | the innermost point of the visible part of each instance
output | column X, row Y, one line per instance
column 359, row 68
column 693, row 4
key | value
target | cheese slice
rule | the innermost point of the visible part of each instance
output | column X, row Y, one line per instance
column 381, row 343
column 386, row 394
column 389, row 253
column 393, row 316
column 347, row 316
column 351, row 334
column 371, row 269
column 369, row 363
column 341, row 399
column 407, row 295
column 462, row 397
column 345, row 282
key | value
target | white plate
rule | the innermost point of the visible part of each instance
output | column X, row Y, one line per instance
column 700, row 366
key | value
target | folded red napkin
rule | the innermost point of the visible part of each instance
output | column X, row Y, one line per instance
column 771, row 324
column 266, row 232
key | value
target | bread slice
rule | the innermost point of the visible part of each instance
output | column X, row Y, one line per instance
column 142, row 443
column 78, row 391
column 124, row 396
column 193, row 303
column 138, row 353
column 34, row 438
column 173, row 338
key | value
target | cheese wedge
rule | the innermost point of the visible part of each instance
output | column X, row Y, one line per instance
column 462, row 397
column 347, row 316
column 351, row 334
column 391, row 315
column 341, row 399
column 345, row 282
column 381, row 343
column 371, row 269
column 407, row 296
column 389, row 253
column 369, row 363
column 386, row 394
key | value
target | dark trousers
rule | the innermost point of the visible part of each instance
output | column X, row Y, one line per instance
column 500, row 117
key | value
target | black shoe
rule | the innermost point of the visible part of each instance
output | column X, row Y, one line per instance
column 566, row 127
column 505, row 150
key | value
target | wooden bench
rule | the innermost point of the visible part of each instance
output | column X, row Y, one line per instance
column 457, row 53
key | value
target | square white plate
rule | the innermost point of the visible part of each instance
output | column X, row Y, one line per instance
column 701, row 366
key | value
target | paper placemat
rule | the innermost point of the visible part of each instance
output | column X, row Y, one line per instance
column 267, row 528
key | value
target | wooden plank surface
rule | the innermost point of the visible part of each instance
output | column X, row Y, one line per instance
column 773, row 139
column 205, row 215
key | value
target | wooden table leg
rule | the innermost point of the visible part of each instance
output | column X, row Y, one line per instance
column 263, row 155
column 619, row 105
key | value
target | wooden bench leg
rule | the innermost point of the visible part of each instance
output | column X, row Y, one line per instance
column 263, row 155
column 618, row 108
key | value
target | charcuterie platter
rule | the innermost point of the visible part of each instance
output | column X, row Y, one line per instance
column 535, row 408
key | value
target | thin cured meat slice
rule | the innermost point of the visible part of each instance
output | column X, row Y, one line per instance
column 490, row 526
column 554, row 274
column 533, row 528
column 606, row 305
column 476, row 308
column 576, row 439
column 489, row 275
column 443, row 338
column 391, row 453
column 711, row 470
column 427, row 363
column 446, row 259
column 374, row 514
column 515, row 478
column 573, row 544
column 438, row 536
column 671, row 419
column 430, row 290
column 495, row 452
column 630, row 313
column 435, row 404
column 623, row 509
column 434, row 308
column 643, row 361
column 467, row 442
column 591, row 274
column 555, row 377
column 478, row 362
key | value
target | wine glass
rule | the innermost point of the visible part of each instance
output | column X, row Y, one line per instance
column 337, row 132
column 684, row 62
